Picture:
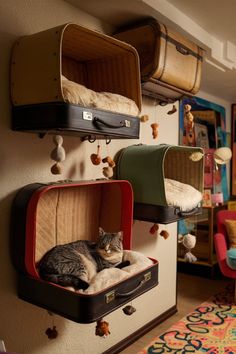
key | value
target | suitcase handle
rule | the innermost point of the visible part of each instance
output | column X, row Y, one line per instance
column 146, row 278
column 99, row 120
column 182, row 50
column 187, row 213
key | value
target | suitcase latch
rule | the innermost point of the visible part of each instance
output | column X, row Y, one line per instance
column 147, row 276
column 110, row 296
column 87, row 115
column 127, row 123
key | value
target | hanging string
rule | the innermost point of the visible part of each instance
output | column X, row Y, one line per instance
column 52, row 332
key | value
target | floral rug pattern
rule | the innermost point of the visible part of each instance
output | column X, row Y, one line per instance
column 210, row 328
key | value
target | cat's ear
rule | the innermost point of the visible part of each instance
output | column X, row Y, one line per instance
column 101, row 232
column 120, row 234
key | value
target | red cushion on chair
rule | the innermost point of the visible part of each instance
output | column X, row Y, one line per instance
column 222, row 242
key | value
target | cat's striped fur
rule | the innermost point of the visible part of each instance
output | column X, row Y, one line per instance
column 76, row 263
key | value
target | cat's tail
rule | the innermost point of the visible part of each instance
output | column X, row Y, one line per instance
column 66, row 280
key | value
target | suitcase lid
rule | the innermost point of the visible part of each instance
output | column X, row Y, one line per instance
column 44, row 215
column 151, row 38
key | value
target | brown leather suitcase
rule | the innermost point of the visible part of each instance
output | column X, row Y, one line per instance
column 44, row 215
column 170, row 64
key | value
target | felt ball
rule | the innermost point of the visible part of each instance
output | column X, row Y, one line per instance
column 58, row 154
column 95, row 159
column 56, row 169
column 164, row 234
column 51, row 332
column 58, row 139
column 144, row 118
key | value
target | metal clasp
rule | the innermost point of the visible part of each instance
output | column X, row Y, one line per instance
column 110, row 296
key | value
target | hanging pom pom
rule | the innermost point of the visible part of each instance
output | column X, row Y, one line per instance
column 51, row 332
column 56, row 169
column 96, row 158
column 58, row 154
column 102, row 329
column 164, row 234
column 154, row 229
column 129, row 310
column 110, row 161
column 144, row 118
column 154, row 127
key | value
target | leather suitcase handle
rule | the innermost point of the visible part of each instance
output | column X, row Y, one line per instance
column 187, row 213
column 97, row 120
column 146, row 278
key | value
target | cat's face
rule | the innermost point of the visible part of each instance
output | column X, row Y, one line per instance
column 110, row 246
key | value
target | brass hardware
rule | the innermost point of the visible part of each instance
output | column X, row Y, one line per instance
column 87, row 115
column 127, row 123
column 147, row 276
column 110, row 296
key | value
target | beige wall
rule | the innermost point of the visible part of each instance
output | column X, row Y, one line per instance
column 24, row 158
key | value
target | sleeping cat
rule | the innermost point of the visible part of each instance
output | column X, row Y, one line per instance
column 76, row 263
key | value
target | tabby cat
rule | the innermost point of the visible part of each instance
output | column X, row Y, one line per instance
column 76, row 263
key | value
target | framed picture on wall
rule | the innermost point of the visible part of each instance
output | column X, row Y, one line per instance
column 206, row 199
column 201, row 135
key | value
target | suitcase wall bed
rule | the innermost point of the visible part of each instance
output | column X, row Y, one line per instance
column 44, row 215
column 151, row 169
column 58, row 80
column 170, row 63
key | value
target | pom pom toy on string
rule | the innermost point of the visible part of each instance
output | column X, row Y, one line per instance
column 58, row 154
column 189, row 242
column 102, row 328
column 96, row 158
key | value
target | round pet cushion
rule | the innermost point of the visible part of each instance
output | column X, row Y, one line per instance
column 231, row 258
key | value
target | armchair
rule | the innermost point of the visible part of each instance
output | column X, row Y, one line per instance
column 221, row 242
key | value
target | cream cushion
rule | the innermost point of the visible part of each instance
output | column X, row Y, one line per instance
column 79, row 94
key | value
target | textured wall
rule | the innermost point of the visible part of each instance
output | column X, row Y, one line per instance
column 24, row 159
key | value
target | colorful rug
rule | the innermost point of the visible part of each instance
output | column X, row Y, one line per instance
column 210, row 328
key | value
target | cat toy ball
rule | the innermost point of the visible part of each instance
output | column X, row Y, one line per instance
column 58, row 154
column 96, row 158
column 102, row 329
column 108, row 170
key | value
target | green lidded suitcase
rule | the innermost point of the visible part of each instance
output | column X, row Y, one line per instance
column 147, row 166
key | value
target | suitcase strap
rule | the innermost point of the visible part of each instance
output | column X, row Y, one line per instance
column 181, row 48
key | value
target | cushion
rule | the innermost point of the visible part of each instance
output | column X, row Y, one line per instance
column 81, row 95
column 181, row 195
column 231, row 231
column 231, row 258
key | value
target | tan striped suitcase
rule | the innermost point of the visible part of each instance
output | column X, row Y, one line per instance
column 170, row 64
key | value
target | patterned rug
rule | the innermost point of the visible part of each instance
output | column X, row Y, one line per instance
column 210, row 328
